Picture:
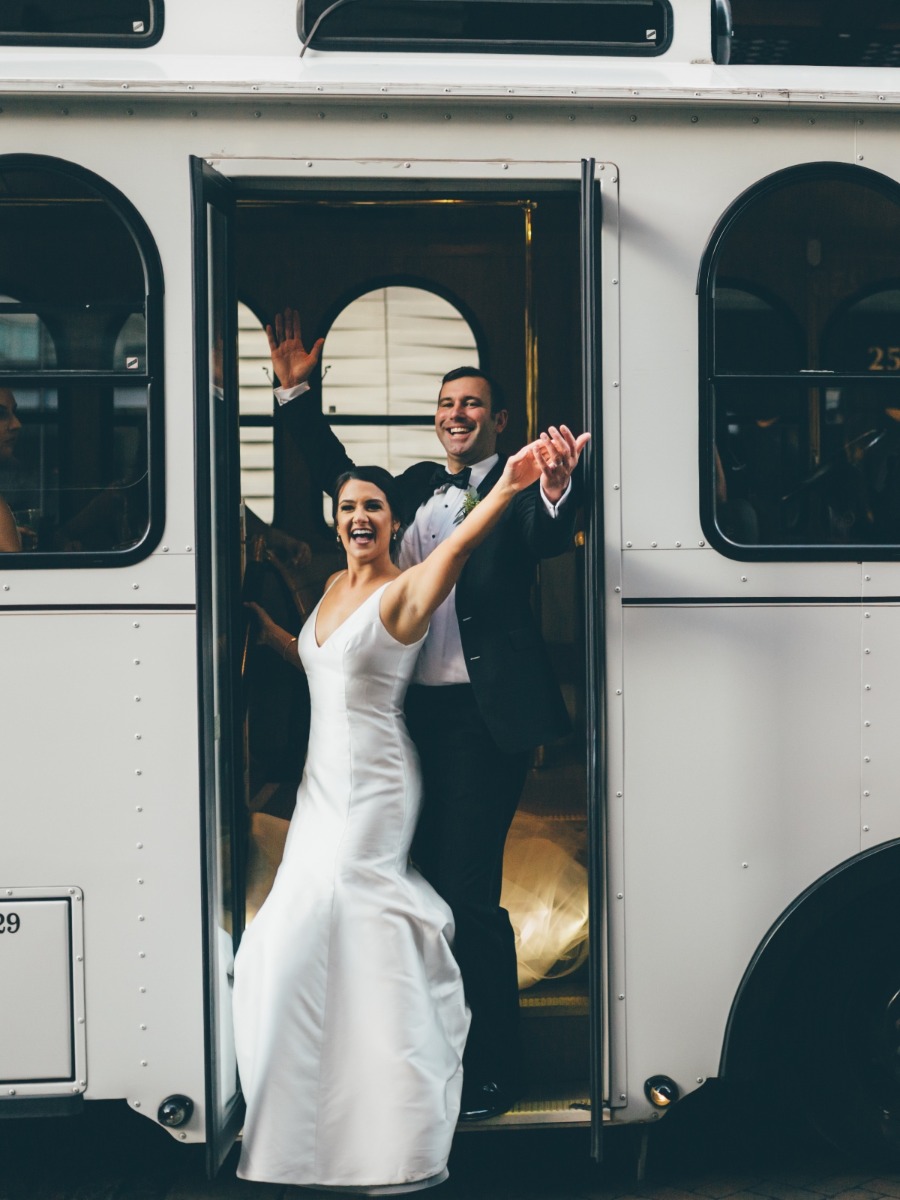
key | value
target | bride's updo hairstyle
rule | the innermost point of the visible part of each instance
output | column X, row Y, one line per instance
column 380, row 478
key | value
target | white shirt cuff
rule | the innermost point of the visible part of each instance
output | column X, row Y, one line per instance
column 552, row 509
column 286, row 395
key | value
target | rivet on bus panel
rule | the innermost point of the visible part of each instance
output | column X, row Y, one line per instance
column 867, row 651
column 868, row 724
column 188, row 549
column 865, row 829
column 868, row 579
column 867, row 759
column 745, row 866
column 867, row 793
column 617, row 590
column 618, row 795
column 135, row 586
column 619, row 896
column 6, row 587
column 743, row 579
column 678, row 545
column 654, row 544
column 618, row 691
column 628, row 545
column 701, row 542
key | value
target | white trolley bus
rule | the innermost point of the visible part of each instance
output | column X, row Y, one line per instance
column 700, row 261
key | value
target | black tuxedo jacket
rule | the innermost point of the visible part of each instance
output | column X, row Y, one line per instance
column 512, row 677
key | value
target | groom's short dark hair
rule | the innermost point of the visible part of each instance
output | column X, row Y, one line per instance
column 498, row 400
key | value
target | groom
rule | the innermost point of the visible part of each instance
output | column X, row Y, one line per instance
column 483, row 694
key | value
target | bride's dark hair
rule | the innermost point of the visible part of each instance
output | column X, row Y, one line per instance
column 384, row 481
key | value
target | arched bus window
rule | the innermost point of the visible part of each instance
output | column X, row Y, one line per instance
column 256, row 419
column 383, row 360
column 800, row 362
column 80, row 330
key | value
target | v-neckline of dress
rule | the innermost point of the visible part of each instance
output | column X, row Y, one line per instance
column 349, row 616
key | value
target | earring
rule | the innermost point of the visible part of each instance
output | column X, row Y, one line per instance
column 337, row 538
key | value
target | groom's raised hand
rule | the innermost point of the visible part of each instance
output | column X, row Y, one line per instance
column 291, row 361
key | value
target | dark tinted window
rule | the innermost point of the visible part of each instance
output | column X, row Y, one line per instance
column 75, row 368
column 803, row 366
column 836, row 33
column 80, row 22
column 531, row 26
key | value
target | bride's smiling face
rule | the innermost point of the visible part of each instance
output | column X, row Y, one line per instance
column 364, row 520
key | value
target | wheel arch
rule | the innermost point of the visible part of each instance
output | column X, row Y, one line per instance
column 862, row 892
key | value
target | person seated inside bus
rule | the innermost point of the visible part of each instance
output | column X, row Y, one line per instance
column 757, row 466
column 10, row 427
column 860, row 478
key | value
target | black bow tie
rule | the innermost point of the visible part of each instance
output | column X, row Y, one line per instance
column 441, row 479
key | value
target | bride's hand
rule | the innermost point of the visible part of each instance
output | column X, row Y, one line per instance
column 266, row 629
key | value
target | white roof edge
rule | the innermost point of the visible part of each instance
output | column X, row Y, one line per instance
column 348, row 90
column 441, row 77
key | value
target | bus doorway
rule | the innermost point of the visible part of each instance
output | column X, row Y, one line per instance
column 404, row 286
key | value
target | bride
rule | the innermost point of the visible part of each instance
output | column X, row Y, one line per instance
column 350, row 1018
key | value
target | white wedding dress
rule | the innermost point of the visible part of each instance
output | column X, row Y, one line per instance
column 349, row 1013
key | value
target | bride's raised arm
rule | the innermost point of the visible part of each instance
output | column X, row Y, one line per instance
column 409, row 602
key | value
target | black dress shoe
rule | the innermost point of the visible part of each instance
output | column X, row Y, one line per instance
column 484, row 1100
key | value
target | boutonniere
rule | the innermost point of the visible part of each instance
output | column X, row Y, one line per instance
column 470, row 499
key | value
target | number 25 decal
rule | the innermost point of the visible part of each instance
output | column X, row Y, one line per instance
column 9, row 923
column 884, row 358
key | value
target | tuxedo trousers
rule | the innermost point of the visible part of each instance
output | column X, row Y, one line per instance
column 470, row 792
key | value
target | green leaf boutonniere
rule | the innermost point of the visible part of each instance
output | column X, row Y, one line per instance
column 470, row 499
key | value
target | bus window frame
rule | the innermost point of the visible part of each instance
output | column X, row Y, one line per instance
column 106, row 40
column 708, row 378
column 151, row 378
column 323, row 43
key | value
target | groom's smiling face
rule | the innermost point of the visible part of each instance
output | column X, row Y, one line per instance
column 465, row 423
